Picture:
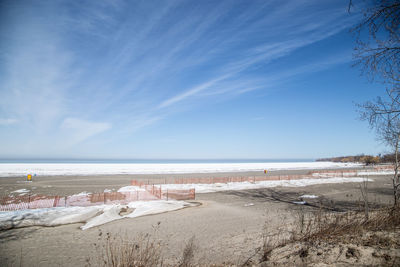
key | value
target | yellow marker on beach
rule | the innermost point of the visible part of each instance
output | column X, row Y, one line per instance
column 265, row 171
column 29, row 177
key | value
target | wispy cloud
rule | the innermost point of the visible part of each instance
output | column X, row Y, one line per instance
column 192, row 91
column 78, row 130
column 72, row 71
column 8, row 121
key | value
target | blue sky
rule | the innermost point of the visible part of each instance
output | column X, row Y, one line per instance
column 181, row 79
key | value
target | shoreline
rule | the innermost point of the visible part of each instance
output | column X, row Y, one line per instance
column 228, row 225
column 83, row 169
column 74, row 184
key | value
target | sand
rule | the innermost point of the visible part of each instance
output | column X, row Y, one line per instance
column 227, row 226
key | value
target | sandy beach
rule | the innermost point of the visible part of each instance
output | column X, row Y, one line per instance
column 227, row 226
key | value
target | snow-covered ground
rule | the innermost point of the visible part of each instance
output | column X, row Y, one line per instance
column 98, row 215
column 91, row 216
column 209, row 188
column 366, row 173
column 22, row 169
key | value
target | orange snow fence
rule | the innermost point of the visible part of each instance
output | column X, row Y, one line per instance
column 384, row 168
column 150, row 192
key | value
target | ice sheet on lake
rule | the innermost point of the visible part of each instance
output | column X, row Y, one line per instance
column 22, row 169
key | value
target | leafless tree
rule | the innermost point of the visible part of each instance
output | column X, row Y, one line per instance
column 377, row 53
column 381, row 116
column 377, row 49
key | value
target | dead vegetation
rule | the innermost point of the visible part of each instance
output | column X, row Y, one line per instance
column 187, row 259
column 317, row 236
column 344, row 238
column 328, row 226
column 144, row 250
column 337, row 238
column 117, row 251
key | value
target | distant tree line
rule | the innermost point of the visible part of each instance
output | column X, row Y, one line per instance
column 366, row 159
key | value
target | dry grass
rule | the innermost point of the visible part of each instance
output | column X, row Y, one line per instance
column 379, row 230
column 120, row 251
column 338, row 226
column 187, row 259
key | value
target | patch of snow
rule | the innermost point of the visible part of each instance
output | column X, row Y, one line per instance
column 130, row 188
column 309, row 196
column 107, row 190
column 92, row 216
column 209, row 188
column 84, row 193
column 299, row 202
column 23, row 190
column 376, row 173
column 249, row 204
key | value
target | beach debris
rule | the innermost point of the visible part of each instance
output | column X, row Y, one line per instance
column 125, row 211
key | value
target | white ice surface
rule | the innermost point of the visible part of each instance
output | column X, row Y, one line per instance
column 22, row 169
column 92, row 216
column 208, row 188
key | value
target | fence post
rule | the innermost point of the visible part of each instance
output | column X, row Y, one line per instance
column 29, row 200
column 104, row 197
column 65, row 201
column 56, row 199
column 167, row 194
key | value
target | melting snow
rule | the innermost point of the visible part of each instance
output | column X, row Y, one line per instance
column 91, row 216
column 309, row 196
column 208, row 188
column 376, row 173
column 98, row 215
column 21, row 191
